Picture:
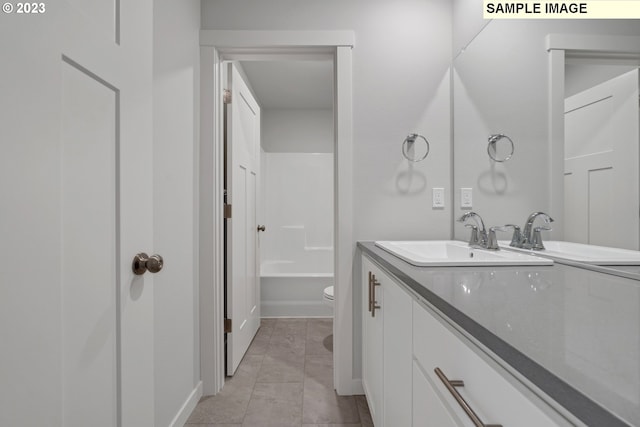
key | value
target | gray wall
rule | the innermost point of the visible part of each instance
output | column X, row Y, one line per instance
column 500, row 86
column 297, row 131
column 175, row 138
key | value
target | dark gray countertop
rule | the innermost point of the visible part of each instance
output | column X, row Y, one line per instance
column 573, row 332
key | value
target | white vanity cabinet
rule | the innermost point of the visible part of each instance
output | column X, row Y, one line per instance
column 494, row 400
column 386, row 347
column 403, row 342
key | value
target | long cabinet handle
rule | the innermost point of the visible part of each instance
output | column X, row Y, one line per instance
column 451, row 386
column 370, row 282
column 374, row 303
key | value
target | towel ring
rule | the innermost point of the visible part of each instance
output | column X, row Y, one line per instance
column 408, row 144
column 492, row 150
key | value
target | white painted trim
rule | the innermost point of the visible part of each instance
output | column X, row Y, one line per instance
column 560, row 47
column 187, row 408
column 211, row 233
column 556, row 137
column 272, row 39
column 593, row 43
column 307, row 44
column 344, row 250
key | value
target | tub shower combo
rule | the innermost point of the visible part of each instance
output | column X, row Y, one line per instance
column 297, row 247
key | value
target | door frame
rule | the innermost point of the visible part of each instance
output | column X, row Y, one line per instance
column 216, row 47
column 559, row 47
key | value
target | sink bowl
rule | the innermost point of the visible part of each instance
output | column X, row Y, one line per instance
column 453, row 253
column 579, row 252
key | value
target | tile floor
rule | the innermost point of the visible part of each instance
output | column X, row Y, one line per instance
column 285, row 379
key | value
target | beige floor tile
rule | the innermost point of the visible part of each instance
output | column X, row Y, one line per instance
column 259, row 346
column 285, row 379
column 318, row 370
column 290, row 327
column 292, row 345
column 228, row 406
column 213, row 425
column 319, row 345
column 277, row 405
column 266, row 330
column 321, row 405
column 363, row 411
column 281, row 369
column 331, row 425
column 319, row 327
column 268, row 322
column 247, row 371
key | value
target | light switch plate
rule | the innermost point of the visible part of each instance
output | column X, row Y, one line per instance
column 438, row 197
column 466, row 197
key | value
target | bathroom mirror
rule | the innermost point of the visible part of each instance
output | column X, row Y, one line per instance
column 503, row 82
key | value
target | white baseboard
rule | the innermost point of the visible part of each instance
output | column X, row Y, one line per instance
column 355, row 389
column 295, row 309
column 189, row 405
column 356, row 386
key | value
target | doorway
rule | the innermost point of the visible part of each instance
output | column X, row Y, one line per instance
column 333, row 45
column 295, row 203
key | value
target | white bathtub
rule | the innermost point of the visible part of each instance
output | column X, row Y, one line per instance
column 286, row 290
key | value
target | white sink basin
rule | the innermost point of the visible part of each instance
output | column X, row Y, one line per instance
column 452, row 253
column 578, row 252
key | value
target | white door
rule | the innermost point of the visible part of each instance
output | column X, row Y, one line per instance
column 75, row 207
column 602, row 189
column 243, row 171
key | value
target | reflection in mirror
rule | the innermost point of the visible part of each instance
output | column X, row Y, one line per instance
column 601, row 155
column 500, row 148
column 503, row 83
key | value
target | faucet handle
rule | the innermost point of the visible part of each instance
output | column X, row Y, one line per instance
column 536, row 242
column 473, row 239
column 492, row 241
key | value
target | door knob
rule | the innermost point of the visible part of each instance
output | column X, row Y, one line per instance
column 261, row 228
column 143, row 263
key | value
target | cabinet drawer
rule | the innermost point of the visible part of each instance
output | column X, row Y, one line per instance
column 428, row 409
column 491, row 396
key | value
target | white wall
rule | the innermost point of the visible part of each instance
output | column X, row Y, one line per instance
column 500, row 86
column 175, row 123
column 400, row 86
column 297, row 131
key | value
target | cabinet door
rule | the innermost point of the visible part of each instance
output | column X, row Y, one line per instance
column 397, row 353
column 372, row 344
column 428, row 409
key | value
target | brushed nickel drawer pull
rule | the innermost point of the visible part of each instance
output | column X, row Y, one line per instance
column 374, row 303
column 370, row 281
column 451, row 386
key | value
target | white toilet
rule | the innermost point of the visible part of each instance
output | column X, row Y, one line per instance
column 327, row 296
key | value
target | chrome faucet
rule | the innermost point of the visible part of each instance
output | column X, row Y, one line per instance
column 531, row 238
column 516, row 237
column 479, row 236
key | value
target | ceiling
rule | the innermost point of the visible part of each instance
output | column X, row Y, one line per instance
column 291, row 84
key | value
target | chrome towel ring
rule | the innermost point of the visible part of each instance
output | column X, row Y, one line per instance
column 411, row 152
column 503, row 154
